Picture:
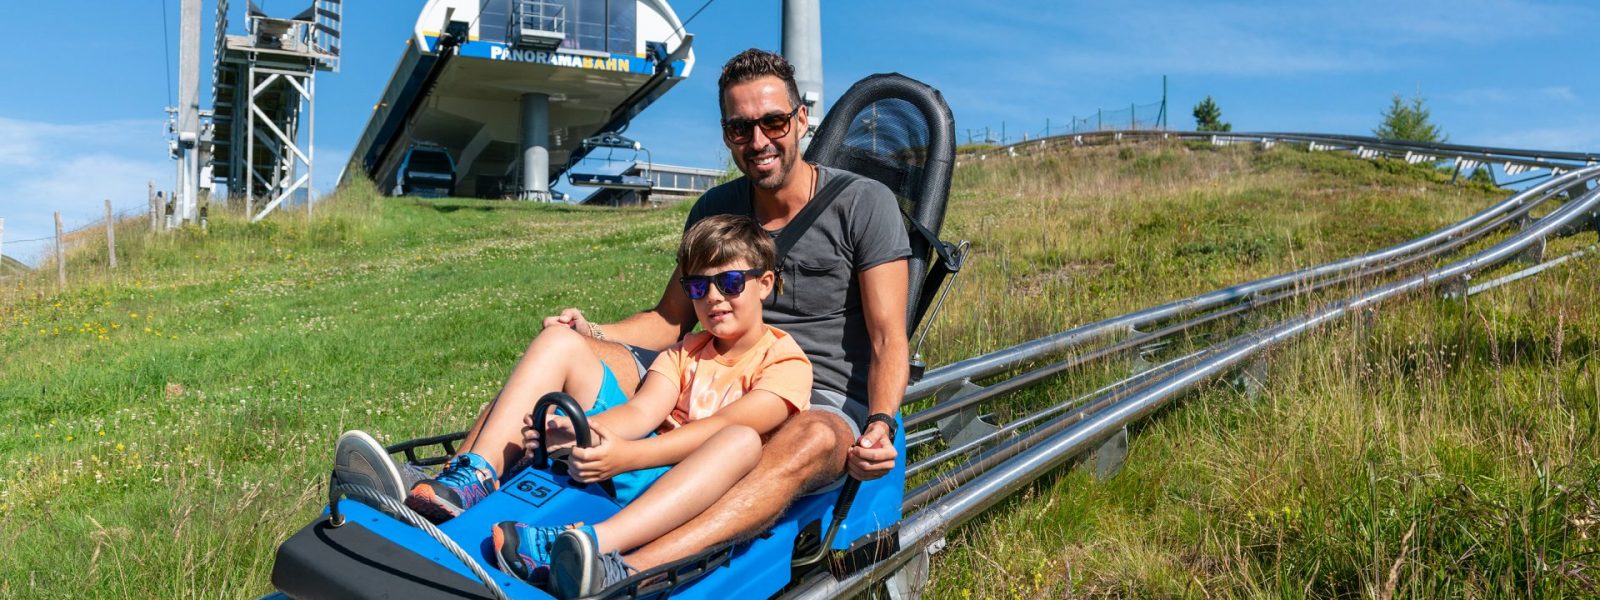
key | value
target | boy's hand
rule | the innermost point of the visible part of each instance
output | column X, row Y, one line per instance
column 572, row 318
column 558, row 428
column 608, row 457
column 873, row 454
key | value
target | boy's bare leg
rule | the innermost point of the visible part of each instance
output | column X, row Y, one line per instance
column 558, row 359
column 684, row 491
column 808, row 450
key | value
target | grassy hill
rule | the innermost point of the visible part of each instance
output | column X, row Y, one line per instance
column 164, row 427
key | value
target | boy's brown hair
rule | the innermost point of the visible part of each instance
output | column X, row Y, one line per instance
column 722, row 239
column 754, row 63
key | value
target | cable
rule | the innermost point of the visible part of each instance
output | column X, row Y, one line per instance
column 166, row 47
column 685, row 23
column 48, row 237
column 477, row 16
column 401, row 511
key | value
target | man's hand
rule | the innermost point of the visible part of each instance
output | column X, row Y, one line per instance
column 572, row 318
column 873, row 454
column 608, row 457
column 557, row 428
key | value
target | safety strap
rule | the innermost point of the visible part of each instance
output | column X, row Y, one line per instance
column 802, row 220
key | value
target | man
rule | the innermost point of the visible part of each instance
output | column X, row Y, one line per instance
column 843, row 298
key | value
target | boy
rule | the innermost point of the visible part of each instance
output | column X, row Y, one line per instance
column 703, row 406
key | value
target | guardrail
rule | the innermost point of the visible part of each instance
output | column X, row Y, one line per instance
column 1026, row 449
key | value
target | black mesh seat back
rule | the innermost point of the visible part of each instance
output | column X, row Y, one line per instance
column 898, row 131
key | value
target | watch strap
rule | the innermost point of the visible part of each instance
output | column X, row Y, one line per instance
column 884, row 418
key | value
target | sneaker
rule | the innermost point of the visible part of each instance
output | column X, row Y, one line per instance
column 524, row 550
column 465, row 481
column 359, row 459
column 579, row 569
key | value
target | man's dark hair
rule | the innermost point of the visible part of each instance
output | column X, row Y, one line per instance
column 752, row 64
column 722, row 239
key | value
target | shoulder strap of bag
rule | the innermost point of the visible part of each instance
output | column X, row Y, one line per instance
column 802, row 220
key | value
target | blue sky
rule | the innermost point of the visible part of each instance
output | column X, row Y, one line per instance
column 83, row 118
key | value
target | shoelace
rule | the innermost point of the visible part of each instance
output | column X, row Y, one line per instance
column 614, row 569
column 460, row 475
column 540, row 539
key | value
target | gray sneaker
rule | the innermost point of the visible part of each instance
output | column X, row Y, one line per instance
column 359, row 459
column 578, row 569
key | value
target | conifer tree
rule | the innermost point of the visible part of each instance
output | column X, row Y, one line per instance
column 1208, row 117
column 1411, row 122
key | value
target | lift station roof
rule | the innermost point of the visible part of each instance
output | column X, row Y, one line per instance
column 599, row 62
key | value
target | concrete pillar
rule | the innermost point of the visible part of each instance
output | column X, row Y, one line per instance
column 535, row 147
column 802, row 47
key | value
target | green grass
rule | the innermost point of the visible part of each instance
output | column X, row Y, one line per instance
column 165, row 426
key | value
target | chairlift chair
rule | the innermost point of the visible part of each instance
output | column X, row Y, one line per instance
column 612, row 142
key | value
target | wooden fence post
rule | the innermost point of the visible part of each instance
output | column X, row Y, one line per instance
column 61, row 257
column 155, row 209
column 111, row 236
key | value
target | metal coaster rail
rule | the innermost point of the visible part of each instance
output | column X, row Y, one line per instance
column 1081, row 424
column 1506, row 212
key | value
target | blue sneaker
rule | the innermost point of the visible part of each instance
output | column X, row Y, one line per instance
column 524, row 550
column 579, row 569
column 465, row 481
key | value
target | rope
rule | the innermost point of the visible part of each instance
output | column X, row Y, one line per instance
column 404, row 513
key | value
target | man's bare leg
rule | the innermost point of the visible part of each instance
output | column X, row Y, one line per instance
column 620, row 360
column 558, row 359
column 807, row 451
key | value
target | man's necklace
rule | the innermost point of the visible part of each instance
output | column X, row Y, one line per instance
column 815, row 175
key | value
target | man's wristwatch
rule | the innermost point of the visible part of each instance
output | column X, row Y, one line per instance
column 884, row 418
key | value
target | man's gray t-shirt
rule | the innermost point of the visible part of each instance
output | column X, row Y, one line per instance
column 821, row 301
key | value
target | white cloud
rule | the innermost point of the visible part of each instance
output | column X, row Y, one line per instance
column 74, row 168
column 1490, row 96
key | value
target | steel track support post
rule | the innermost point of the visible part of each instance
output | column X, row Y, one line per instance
column 1534, row 253
column 908, row 581
column 1456, row 287
column 1252, row 379
column 965, row 425
column 1110, row 455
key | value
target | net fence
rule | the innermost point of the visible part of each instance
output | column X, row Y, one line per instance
column 1151, row 116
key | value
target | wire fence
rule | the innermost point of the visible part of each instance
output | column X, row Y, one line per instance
column 1151, row 116
column 98, row 231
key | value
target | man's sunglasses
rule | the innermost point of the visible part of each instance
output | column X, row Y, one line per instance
column 730, row 282
column 738, row 131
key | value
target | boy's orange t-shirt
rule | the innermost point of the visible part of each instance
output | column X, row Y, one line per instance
column 708, row 381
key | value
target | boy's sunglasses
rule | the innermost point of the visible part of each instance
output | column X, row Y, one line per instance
column 730, row 282
column 738, row 130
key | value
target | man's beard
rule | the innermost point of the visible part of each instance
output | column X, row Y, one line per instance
column 776, row 180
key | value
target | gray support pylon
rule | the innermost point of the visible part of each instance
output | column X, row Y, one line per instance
column 535, row 147
column 188, row 113
column 802, row 47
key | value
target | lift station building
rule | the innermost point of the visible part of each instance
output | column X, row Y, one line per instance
column 503, row 92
